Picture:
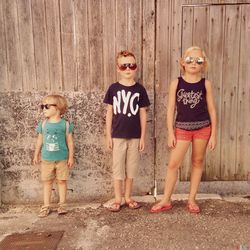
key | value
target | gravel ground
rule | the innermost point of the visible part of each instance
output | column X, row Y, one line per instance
column 221, row 225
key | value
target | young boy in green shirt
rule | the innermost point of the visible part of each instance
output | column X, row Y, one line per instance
column 55, row 143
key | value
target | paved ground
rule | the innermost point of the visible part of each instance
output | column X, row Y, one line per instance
column 223, row 224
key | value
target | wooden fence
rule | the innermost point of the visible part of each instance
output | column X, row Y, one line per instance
column 70, row 45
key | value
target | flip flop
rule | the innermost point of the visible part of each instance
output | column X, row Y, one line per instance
column 133, row 204
column 193, row 208
column 161, row 208
column 115, row 207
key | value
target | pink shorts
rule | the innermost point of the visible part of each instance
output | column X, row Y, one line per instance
column 186, row 135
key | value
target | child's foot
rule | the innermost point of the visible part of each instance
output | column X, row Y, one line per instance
column 62, row 210
column 115, row 207
column 133, row 204
column 44, row 212
column 193, row 208
column 161, row 207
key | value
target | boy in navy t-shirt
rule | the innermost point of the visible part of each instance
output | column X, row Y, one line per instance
column 126, row 127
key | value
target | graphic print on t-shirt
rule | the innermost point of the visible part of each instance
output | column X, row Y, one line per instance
column 125, row 103
column 52, row 143
column 192, row 97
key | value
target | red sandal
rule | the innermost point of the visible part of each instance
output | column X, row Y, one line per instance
column 161, row 208
column 193, row 208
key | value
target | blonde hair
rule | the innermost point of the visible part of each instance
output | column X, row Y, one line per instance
column 124, row 53
column 60, row 101
column 206, row 63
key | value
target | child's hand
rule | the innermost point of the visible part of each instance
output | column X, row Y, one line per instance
column 70, row 162
column 141, row 145
column 171, row 141
column 36, row 160
column 212, row 143
column 109, row 142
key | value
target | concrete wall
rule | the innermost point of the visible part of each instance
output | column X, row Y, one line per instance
column 91, row 177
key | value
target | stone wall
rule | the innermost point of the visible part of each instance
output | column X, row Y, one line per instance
column 91, row 177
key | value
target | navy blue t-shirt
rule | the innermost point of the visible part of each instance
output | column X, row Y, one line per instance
column 192, row 112
column 126, row 102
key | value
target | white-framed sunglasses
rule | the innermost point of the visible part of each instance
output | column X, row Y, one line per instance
column 190, row 59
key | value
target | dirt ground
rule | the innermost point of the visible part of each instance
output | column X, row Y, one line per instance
column 221, row 225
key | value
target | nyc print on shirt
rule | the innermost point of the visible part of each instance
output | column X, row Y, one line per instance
column 129, row 102
column 126, row 102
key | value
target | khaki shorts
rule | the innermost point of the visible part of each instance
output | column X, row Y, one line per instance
column 125, row 158
column 54, row 169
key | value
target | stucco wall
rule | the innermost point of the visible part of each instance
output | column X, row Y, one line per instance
column 91, row 177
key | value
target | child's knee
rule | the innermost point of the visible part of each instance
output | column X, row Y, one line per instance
column 48, row 182
column 61, row 182
column 197, row 162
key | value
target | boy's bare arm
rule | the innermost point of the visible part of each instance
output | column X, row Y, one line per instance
column 70, row 144
column 109, row 117
column 39, row 143
column 143, row 121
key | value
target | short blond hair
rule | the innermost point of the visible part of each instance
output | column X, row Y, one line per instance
column 187, row 51
column 60, row 101
column 124, row 53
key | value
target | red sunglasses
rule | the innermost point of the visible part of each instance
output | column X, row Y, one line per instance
column 124, row 66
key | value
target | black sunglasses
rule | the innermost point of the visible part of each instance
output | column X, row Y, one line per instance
column 47, row 106
column 124, row 66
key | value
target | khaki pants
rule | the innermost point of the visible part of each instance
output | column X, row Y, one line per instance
column 125, row 158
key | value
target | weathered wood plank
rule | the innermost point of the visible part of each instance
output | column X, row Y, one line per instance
column 3, row 56
column 187, row 28
column 243, row 108
column 121, row 25
column 13, row 46
column 40, row 45
column 215, row 55
column 148, row 44
column 134, row 32
column 109, row 52
column 68, row 43
column 162, row 78
column 200, row 27
column 175, row 38
column 54, row 44
column 230, row 92
column 95, row 44
column 26, row 45
column 163, row 36
column 82, row 49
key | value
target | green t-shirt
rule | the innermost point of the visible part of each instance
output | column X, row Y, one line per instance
column 54, row 146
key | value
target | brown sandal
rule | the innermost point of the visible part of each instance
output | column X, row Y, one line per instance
column 44, row 212
column 115, row 207
column 62, row 210
column 133, row 204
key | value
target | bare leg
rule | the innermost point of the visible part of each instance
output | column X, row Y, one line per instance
column 47, row 188
column 118, row 190
column 128, row 189
column 62, row 190
column 198, row 154
column 176, row 158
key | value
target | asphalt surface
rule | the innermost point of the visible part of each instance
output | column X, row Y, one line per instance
column 222, row 224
